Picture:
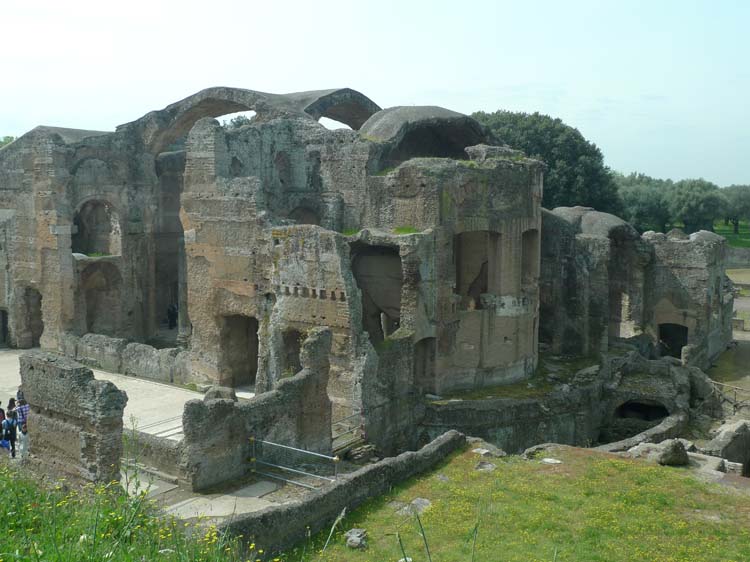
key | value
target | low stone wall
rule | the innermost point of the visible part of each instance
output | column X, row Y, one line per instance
column 737, row 258
column 170, row 365
column 296, row 413
column 281, row 526
column 669, row 428
column 165, row 455
column 75, row 426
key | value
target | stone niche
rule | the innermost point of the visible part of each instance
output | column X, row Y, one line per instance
column 75, row 425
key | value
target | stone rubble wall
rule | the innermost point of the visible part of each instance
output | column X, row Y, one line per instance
column 75, row 425
column 297, row 413
column 278, row 527
column 168, row 365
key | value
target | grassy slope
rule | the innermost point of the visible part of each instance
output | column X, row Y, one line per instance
column 590, row 507
column 57, row 524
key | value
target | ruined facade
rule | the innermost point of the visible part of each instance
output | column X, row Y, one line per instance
column 602, row 282
column 415, row 236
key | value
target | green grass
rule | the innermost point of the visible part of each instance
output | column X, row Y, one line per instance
column 741, row 240
column 350, row 231
column 592, row 507
column 384, row 171
column 58, row 523
column 550, row 372
column 405, row 230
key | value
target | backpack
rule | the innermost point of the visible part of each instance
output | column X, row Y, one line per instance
column 9, row 426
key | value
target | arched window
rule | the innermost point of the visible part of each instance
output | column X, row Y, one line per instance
column 98, row 230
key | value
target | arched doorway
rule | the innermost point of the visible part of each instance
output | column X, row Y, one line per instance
column 377, row 270
column 98, row 230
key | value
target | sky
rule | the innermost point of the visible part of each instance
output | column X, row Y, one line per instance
column 662, row 87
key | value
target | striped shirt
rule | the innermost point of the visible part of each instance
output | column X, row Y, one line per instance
column 22, row 414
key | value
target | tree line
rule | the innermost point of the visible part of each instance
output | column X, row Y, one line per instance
column 576, row 175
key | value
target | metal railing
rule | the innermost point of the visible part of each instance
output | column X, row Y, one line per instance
column 316, row 467
column 347, row 431
column 731, row 394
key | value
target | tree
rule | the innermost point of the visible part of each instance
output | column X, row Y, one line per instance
column 576, row 175
column 697, row 203
column 645, row 201
column 6, row 140
column 236, row 122
column 738, row 204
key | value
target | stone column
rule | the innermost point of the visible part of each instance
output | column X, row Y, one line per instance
column 184, row 327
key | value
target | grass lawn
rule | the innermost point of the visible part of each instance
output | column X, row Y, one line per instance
column 591, row 507
column 741, row 240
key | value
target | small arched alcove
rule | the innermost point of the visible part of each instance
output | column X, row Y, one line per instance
column 98, row 231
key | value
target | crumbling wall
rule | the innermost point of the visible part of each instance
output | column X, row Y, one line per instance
column 297, row 412
column 583, row 411
column 75, row 426
column 689, row 288
column 171, row 365
column 277, row 527
column 603, row 283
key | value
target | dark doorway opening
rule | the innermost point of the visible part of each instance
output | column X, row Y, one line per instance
column 641, row 411
column 475, row 259
column 33, row 302
column 304, row 215
column 424, row 363
column 377, row 270
column 239, row 350
column 101, row 283
column 3, row 328
column 292, row 340
column 672, row 338
column 632, row 418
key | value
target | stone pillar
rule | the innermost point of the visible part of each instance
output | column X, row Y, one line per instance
column 184, row 327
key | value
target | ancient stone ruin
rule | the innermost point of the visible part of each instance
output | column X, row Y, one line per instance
column 415, row 237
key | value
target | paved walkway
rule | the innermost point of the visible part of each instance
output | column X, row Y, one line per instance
column 153, row 407
column 156, row 408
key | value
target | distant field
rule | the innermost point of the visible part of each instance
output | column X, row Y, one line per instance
column 741, row 240
column 741, row 276
column 590, row 507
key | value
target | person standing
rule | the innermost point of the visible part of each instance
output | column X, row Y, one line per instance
column 23, row 441
column 9, row 431
column 22, row 413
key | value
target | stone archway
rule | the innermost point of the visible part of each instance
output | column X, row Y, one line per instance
column 98, row 230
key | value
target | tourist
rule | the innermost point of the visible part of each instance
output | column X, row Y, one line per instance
column 23, row 441
column 2, row 417
column 11, row 404
column 22, row 412
column 19, row 394
column 9, row 431
column 172, row 316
